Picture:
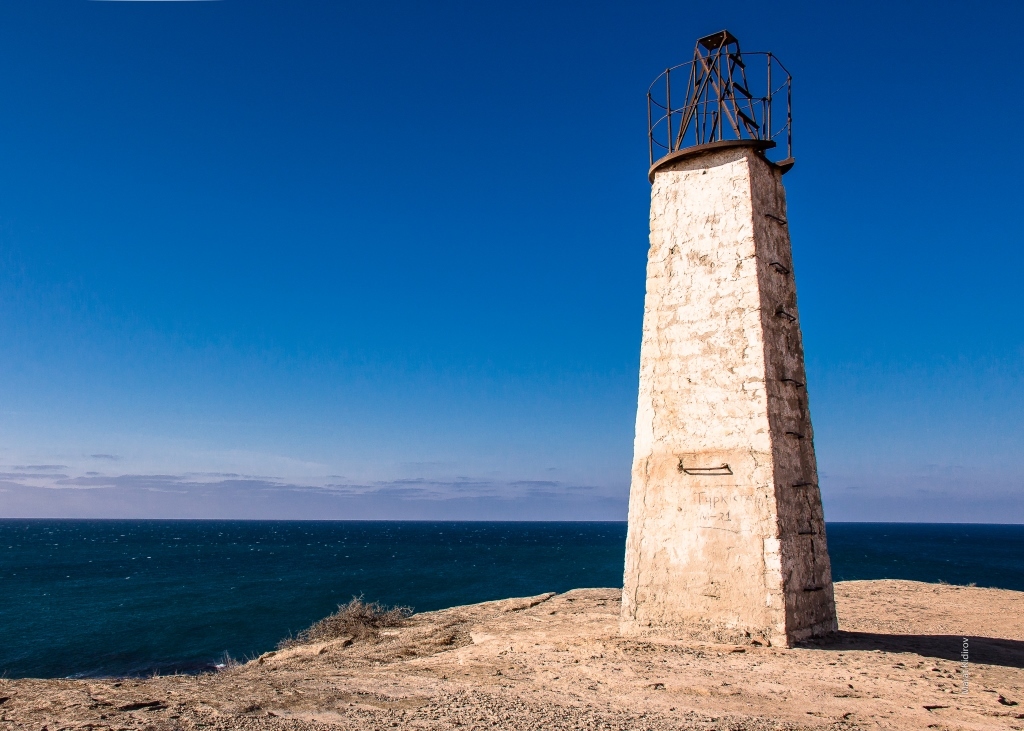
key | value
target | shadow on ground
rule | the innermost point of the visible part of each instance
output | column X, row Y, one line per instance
column 981, row 650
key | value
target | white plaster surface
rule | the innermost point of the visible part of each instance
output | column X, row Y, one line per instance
column 726, row 534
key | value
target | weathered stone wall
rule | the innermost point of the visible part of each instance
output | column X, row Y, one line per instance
column 726, row 534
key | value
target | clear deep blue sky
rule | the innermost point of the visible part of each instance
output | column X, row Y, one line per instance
column 328, row 260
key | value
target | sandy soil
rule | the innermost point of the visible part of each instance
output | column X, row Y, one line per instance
column 556, row 662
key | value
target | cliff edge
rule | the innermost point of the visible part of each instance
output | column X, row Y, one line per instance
column 558, row 662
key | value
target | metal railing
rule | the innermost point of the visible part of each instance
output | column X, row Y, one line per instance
column 722, row 95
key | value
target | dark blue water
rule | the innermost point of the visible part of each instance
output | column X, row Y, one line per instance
column 986, row 555
column 135, row 597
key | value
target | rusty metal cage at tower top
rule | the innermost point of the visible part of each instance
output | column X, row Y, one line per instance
column 721, row 96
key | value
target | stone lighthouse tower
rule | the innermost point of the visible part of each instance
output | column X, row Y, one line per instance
column 726, row 534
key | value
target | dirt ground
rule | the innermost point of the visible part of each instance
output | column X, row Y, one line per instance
column 557, row 662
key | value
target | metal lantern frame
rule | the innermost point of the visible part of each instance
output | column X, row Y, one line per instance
column 717, row 101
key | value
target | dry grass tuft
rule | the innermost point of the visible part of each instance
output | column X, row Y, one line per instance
column 226, row 663
column 357, row 619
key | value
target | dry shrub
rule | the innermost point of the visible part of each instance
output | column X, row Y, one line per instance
column 357, row 619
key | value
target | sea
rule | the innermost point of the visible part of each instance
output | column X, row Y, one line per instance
column 86, row 598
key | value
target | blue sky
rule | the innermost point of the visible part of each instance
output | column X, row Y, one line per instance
column 372, row 260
